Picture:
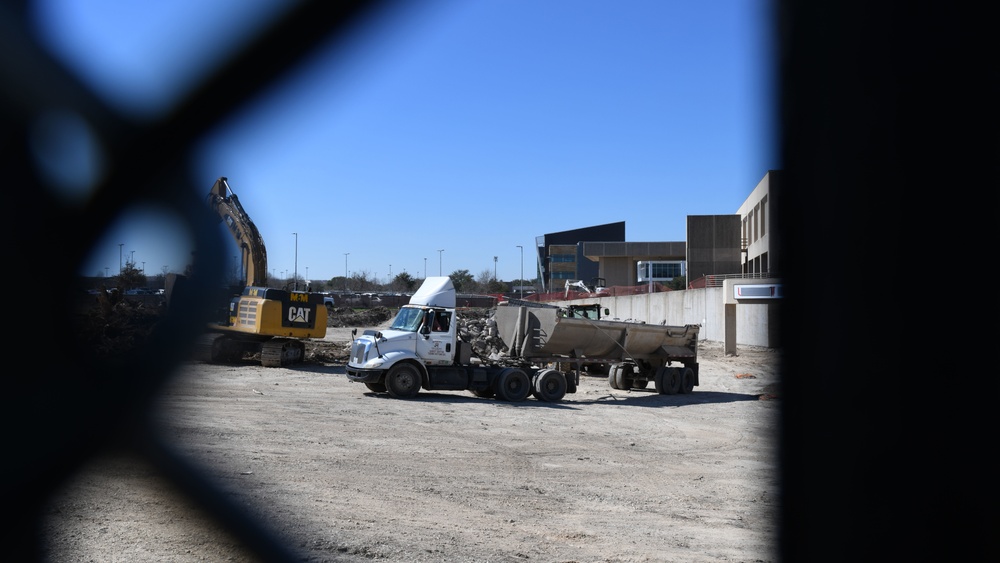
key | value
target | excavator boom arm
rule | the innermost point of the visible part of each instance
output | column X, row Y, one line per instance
column 254, row 256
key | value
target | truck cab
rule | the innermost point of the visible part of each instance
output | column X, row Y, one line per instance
column 418, row 348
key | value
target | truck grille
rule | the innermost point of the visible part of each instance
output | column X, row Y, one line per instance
column 359, row 354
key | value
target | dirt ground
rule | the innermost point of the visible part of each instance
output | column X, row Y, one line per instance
column 343, row 474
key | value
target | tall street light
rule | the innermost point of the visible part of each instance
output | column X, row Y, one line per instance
column 425, row 267
column 120, row 245
column 494, row 268
column 295, row 284
column 345, row 271
column 522, row 271
column 439, row 260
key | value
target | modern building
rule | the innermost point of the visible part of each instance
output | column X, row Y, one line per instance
column 717, row 247
column 757, row 220
column 560, row 257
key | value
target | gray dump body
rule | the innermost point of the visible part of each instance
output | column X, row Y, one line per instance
column 536, row 332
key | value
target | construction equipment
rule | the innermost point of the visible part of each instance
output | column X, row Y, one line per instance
column 579, row 290
column 261, row 320
column 548, row 348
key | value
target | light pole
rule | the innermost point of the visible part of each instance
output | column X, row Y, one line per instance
column 494, row 268
column 132, row 259
column 345, row 271
column 439, row 260
column 521, row 281
column 120, row 245
column 295, row 284
column 425, row 267
column 106, row 271
column 144, row 268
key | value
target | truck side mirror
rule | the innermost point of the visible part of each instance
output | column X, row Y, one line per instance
column 425, row 330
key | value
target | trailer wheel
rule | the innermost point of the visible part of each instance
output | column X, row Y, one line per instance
column 613, row 376
column 640, row 383
column 624, row 382
column 550, row 386
column 376, row 387
column 667, row 380
column 403, row 381
column 513, row 385
column 687, row 380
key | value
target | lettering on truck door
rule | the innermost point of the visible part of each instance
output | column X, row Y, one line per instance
column 435, row 345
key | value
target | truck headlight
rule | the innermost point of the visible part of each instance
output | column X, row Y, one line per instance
column 373, row 363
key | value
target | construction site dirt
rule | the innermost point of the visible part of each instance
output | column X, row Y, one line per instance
column 339, row 473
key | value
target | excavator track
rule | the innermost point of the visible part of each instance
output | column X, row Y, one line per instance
column 209, row 348
column 279, row 352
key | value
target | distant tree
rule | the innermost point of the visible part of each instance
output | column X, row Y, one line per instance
column 496, row 286
column 131, row 277
column 461, row 279
column 404, row 281
column 337, row 283
column 679, row 282
column 363, row 281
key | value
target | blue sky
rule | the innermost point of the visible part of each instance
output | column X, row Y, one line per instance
column 471, row 126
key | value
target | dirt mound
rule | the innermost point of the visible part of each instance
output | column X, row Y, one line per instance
column 347, row 317
column 110, row 327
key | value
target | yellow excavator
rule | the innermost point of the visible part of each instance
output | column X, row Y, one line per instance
column 272, row 322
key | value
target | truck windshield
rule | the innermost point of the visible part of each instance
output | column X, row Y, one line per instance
column 408, row 319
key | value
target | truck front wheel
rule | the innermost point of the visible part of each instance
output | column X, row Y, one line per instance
column 403, row 381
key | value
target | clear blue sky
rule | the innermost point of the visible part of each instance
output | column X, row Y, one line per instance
column 471, row 126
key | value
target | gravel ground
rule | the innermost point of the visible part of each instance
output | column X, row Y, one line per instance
column 341, row 474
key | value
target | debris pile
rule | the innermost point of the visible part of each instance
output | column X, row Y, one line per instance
column 475, row 327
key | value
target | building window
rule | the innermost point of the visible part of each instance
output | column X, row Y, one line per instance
column 662, row 270
column 763, row 216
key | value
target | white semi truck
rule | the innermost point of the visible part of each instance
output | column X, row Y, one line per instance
column 546, row 349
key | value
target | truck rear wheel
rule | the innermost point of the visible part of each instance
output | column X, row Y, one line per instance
column 687, row 380
column 513, row 385
column 550, row 386
column 403, row 381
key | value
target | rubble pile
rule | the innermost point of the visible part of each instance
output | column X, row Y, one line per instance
column 477, row 328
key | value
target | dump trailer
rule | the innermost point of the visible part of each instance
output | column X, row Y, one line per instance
column 423, row 349
column 635, row 353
